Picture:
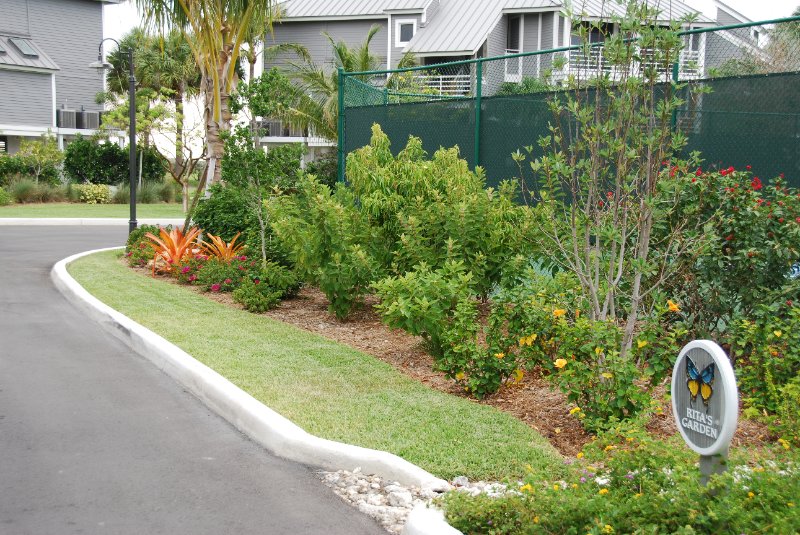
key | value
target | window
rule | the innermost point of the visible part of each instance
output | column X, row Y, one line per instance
column 404, row 30
column 3, row 144
column 596, row 31
column 755, row 35
column 24, row 46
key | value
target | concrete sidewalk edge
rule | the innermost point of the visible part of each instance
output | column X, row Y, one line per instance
column 263, row 425
column 84, row 221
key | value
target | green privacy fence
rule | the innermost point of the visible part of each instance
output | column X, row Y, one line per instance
column 740, row 93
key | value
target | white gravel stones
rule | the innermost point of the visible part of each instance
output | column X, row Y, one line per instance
column 389, row 502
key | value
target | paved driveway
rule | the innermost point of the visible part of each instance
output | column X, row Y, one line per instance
column 94, row 439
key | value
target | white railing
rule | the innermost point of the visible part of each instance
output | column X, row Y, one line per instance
column 446, row 84
column 271, row 128
column 513, row 66
column 592, row 63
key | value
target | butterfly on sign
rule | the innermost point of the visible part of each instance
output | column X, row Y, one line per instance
column 699, row 382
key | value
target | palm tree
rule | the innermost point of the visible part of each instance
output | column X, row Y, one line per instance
column 215, row 31
column 316, row 102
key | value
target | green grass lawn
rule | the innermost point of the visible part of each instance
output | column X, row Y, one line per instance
column 161, row 210
column 329, row 389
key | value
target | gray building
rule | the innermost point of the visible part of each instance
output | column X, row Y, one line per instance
column 439, row 31
column 45, row 82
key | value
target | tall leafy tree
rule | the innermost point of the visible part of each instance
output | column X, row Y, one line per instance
column 215, row 31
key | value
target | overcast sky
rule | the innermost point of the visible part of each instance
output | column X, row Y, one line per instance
column 119, row 18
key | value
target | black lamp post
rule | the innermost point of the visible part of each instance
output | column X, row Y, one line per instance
column 101, row 65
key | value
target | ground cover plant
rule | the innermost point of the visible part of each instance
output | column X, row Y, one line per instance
column 328, row 389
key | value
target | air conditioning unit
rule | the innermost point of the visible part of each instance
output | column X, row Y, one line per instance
column 66, row 118
column 88, row 120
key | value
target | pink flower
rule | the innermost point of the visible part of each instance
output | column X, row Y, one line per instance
column 257, row 281
column 747, row 167
column 215, row 287
column 227, row 281
column 185, row 270
column 192, row 278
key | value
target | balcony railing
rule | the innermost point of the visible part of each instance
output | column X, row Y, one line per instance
column 591, row 63
column 276, row 128
column 513, row 66
column 447, row 84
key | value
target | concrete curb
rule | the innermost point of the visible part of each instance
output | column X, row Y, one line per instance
column 263, row 425
column 425, row 520
column 83, row 221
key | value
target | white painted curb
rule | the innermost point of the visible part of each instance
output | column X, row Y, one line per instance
column 83, row 221
column 265, row 426
column 425, row 520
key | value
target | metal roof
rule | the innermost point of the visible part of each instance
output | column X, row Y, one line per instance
column 461, row 27
column 293, row 9
column 14, row 58
column 602, row 9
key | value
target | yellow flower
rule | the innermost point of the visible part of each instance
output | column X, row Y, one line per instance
column 557, row 313
column 607, row 375
column 560, row 363
column 460, row 376
column 536, row 520
column 603, row 491
column 638, row 495
column 790, row 504
column 500, row 355
column 576, row 409
column 556, row 486
column 750, row 494
column 557, row 430
column 518, row 375
column 777, row 334
column 783, row 442
column 673, row 306
column 580, row 455
column 609, row 448
column 629, row 439
column 574, row 485
column 608, row 529
column 526, row 488
column 641, row 343
column 529, row 468
column 577, row 314
column 598, row 350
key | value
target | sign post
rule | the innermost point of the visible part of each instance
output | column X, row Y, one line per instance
column 705, row 403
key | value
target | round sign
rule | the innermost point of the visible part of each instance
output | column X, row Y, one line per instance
column 705, row 400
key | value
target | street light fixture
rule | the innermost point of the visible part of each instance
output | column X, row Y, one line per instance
column 102, row 65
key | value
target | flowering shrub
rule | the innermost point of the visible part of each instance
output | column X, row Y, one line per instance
column 93, row 193
column 216, row 275
column 137, row 249
column 628, row 482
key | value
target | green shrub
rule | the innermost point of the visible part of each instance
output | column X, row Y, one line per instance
column 5, row 198
column 94, row 193
column 216, row 275
column 528, row 85
column 325, row 169
column 122, row 195
column 12, row 168
column 149, row 193
column 167, row 192
column 224, row 213
column 90, row 162
column 256, row 297
column 422, row 301
column 638, row 484
column 25, row 191
column 277, row 277
column 137, row 251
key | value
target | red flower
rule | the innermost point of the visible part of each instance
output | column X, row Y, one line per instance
column 781, row 175
column 731, row 169
column 699, row 171
column 789, row 302
column 600, row 204
column 729, row 237
column 227, row 281
column 780, row 220
column 256, row 281
column 610, row 195
column 756, row 184
column 747, row 167
column 192, row 278
column 694, row 180
column 723, row 172
column 798, row 219
column 215, row 287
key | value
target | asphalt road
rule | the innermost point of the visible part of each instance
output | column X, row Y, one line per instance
column 95, row 439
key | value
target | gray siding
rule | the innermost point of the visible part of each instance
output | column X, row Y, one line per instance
column 14, row 16
column 309, row 34
column 69, row 31
column 27, row 98
column 494, row 71
column 719, row 51
column 724, row 19
column 397, row 52
column 530, row 42
column 549, row 21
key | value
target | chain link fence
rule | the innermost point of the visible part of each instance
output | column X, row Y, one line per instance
column 740, row 87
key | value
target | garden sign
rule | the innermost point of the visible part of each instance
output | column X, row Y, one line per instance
column 705, row 403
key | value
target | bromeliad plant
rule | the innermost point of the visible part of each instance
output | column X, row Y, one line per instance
column 171, row 248
column 220, row 249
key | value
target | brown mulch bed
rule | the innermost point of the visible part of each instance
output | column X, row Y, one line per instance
column 532, row 401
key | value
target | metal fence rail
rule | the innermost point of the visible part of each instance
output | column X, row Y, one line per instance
column 492, row 107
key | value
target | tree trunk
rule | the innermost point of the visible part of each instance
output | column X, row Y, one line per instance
column 253, row 123
column 180, row 163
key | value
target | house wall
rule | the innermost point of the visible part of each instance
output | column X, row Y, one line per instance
column 530, row 42
column 397, row 52
column 70, row 31
column 15, row 16
column 724, row 19
column 309, row 34
column 718, row 51
column 26, row 98
column 494, row 71
column 549, row 26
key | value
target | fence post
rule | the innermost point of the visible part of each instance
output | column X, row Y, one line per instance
column 478, row 94
column 340, row 125
column 676, row 74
